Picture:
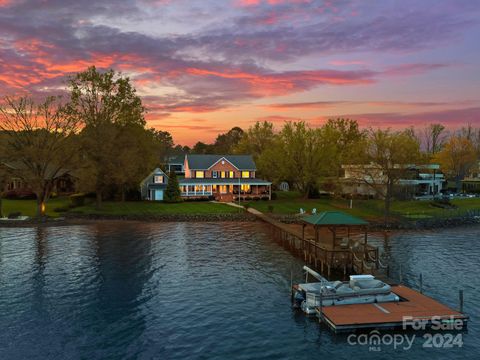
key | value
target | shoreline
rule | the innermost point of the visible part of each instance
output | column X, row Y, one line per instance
column 81, row 219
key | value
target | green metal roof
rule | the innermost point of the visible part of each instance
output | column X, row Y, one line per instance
column 334, row 218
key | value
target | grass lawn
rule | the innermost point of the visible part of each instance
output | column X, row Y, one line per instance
column 156, row 208
column 291, row 202
column 29, row 207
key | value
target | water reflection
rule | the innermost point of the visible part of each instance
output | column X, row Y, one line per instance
column 194, row 290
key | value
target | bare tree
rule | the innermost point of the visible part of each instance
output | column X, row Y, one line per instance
column 434, row 137
column 39, row 141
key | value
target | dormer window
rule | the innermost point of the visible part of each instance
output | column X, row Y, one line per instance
column 245, row 174
column 158, row 179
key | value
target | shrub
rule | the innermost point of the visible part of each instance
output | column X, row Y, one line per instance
column 172, row 192
column 14, row 215
column 274, row 196
column 20, row 194
column 77, row 200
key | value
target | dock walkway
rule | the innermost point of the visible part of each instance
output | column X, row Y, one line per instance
column 321, row 254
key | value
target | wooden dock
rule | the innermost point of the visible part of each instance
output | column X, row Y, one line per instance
column 353, row 257
column 413, row 304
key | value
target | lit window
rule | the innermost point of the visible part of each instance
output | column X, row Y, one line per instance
column 158, row 179
column 232, row 175
column 245, row 174
column 199, row 174
column 223, row 174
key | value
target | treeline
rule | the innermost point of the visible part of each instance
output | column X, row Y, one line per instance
column 311, row 159
column 98, row 134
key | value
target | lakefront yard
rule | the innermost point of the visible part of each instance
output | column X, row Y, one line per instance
column 291, row 203
column 286, row 203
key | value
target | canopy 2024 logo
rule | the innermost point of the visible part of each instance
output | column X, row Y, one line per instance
column 375, row 340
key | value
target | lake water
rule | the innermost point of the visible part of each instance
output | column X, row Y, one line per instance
column 127, row 290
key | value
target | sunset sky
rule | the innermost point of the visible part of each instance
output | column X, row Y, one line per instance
column 205, row 66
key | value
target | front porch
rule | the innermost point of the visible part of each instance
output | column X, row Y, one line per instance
column 227, row 192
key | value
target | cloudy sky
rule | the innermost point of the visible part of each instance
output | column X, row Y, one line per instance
column 204, row 66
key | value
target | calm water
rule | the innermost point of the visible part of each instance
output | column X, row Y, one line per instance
column 196, row 291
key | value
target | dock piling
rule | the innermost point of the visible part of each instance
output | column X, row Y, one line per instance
column 460, row 298
column 421, row 283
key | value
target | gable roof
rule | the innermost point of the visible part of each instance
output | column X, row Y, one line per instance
column 156, row 171
column 334, row 218
column 204, row 162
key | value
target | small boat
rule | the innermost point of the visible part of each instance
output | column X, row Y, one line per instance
column 361, row 289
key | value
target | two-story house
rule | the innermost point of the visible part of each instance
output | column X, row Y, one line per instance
column 224, row 177
column 219, row 177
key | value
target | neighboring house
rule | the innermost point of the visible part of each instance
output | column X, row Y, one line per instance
column 284, row 186
column 223, row 177
column 176, row 163
column 369, row 180
column 471, row 183
column 63, row 184
column 154, row 185
column 219, row 177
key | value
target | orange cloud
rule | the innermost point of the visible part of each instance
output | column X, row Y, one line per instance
column 275, row 84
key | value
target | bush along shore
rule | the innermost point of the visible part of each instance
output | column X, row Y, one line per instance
column 471, row 218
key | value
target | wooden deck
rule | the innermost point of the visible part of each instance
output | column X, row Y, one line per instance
column 388, row 315
column 320, row 253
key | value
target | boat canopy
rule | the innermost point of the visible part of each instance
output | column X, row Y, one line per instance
column 328, row 218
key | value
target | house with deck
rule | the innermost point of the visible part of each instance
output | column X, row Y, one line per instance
column 176, row 163
column 223, row 177
column 369, row 180
column 216, row 177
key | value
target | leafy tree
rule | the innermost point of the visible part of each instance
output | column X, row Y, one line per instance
column 136, row 154
column 40, row 143
column 225, row 143
column 297, row 155
column 457, row 157
column 163, row 143
column 202, row 148
column 104, row 103
column 256, row 140
column 344, row 139
column 172, row 192
column 387, row 158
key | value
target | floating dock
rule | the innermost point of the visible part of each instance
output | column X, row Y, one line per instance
column 413, row 305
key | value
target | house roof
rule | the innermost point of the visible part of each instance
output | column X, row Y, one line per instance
column 334, row 218
column 204, row 162
column 219, row 181
column 176, row 159
column 156, row 171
